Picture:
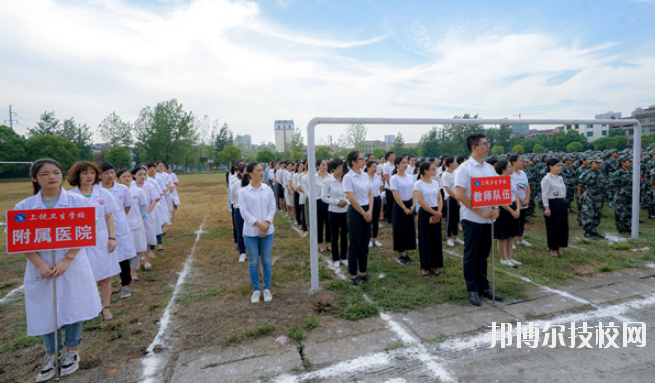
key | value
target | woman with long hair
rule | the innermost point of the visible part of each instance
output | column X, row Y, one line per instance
column 323, row 222
column 506, row 227
column 77, row 296
column 333, row 195
column 451, row 205
column 377, row 187
column 150, row 222
column 135, row 218
column 556, row 211
column 427, row 194
column 404, row 231
column 235, row 188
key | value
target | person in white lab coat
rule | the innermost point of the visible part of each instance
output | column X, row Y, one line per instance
column 77, row 297
column 135, row 218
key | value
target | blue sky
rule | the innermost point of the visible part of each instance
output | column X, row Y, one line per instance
column 250, row 62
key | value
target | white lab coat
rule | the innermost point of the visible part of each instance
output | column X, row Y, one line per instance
column 77, row 295
column 135, row 219
column 124, row 241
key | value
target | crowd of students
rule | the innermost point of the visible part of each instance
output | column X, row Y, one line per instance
column 132, row 208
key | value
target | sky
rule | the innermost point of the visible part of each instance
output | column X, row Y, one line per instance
column 249, row 63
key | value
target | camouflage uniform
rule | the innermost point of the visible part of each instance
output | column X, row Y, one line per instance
column 578, row 173
column 594, row 184
column 540, row 170
column 621, row 183
column 535, row 190
column 648, row 176
column 568, row 174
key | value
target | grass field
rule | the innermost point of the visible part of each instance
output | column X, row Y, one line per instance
column 214, row 308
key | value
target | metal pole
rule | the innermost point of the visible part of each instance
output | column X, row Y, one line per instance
column 493, row 266
column 636, row 168
column 313, row 221
column 54, row 304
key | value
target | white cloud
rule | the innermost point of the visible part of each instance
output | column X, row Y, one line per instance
column 222, row 58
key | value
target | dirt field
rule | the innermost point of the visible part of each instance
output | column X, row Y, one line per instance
column 214, row 308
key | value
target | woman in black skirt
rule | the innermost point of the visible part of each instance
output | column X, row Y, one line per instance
column 556, row 211
column 377, row 186
column 404, row 232
column 427, row 194
column 506, row 227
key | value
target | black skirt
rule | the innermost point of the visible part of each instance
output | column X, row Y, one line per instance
column 429, row 241
column 404, row 230
column 557, row 225
column 506, row 226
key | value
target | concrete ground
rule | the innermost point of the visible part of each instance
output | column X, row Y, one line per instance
column 451, row 343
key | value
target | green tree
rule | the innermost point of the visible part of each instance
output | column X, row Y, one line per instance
column 377, row 152
column 166, row 133
column 229, row 154
column 354, row 136
column 51, row 146
column 323, row 153
column 296, row 141
column 265, row 155
column 398, row 144
column 119, row 156
column 498, row 149
column 604, row 143
column 430, row 143
column 47, row 125
column 617, row 131
column 12, row 149
column 538, row 149
column 574, row 147
column 115, row 131
column 223, row 138
column 518, row 149
column 80, row 135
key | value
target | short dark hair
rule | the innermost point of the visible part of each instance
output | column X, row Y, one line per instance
column 552, row 162
column 150, row 165
column 105, row 165
column 501, row 165
column 73, row 177
column 513, row 158
column 474, row 139
column 386, row 156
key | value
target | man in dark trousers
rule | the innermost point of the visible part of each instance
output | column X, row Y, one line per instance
column 476, row 222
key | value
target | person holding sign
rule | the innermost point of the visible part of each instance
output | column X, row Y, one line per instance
column 556, row 210
column 476, row 222
column 85, row 176
column 507, row 226
column 78, row 299
column 427, row 194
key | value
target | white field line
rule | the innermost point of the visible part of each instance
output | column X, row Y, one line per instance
column 10, row 294
column 361, row 364
column 152, row 361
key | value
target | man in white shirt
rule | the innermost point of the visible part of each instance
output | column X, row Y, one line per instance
column 476, row 222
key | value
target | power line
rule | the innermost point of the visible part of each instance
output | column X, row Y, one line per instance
column 11, row 118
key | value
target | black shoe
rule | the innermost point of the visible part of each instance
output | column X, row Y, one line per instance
column 599, row 236
column 365, row 278
column 640, row 221
column 402, row 261
column 408, row 259
column 489, row 294
column 356, row 281
column 474, row 298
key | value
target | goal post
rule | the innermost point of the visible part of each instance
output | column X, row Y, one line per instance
column 311, row 159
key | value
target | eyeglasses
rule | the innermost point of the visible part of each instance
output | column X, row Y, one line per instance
column 360, row 159
column 486, row 143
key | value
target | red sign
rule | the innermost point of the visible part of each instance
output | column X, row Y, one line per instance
column 50, row 229
column 491, row 191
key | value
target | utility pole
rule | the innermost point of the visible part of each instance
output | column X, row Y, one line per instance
column 11, row 118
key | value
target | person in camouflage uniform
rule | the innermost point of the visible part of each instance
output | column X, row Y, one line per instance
column 539, row 172
column 594, row 185
column 568, row 175
column 584, row 166
column 648, row 179
column 609, row 166
column 621, row 183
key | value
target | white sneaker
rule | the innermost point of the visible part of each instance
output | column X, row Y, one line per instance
column 344, row 262
column 450, row 242
column 513, row 246
column 524, row 243
column 377, row 244
column 255, row 297
column 514, row 261
column 507, row 263
column 242, row 257
column 147, row 266
column 70, row 363
column 370, row 244
column 267, row 296
column 458, row 241
column 48, row 370
column 337, row 264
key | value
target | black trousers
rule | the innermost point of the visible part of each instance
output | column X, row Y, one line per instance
column 388, row 213
column 339, row 229
column 477, row 244
column 126, row 272
column 234, row 226
column 323, row 221
column 522, row 217
column 557, row 225
column 296, row 204
column 375, row 224
column 359, row 234
column 452, row 218
column 429, row 241
column 404, row 229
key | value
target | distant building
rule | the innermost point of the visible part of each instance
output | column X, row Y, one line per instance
column 534, row 133
column 520, row 129
column 99, row 148
column 591, row 132
column 646, row 118
column 370, row 145
column 284, row 130
column 244, row 141
column 609, row 116
column 389, row 139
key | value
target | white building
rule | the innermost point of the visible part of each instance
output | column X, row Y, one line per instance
column 284, row 130
column 244, row 141
column 389, row 139
column 591, row 132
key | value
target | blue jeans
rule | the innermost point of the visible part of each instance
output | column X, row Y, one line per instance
column 73, row 337
column 253, row 245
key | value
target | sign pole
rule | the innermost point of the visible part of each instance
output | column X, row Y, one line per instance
column 54, row 301
column 493, row 266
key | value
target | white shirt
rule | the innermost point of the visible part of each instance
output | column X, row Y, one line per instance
column 404, row 186
column 271, row 174
column 256, row 205
column 522, row 184
column 429, row 192
column 359, row 185
column 319, row 184
column 376, row 183
column 410, row 169
column 448, row 179
column 134, row 218
column 472, row 169
column 388, row 169
column 331, row 193
column 552, row 187
column 301, row 184
column 280, row 176
column 235, row 188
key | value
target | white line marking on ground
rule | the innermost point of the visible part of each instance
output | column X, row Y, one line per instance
column 360, row 364
column 152, row 361
column 10, row 294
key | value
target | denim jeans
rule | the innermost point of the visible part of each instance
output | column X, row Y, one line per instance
column 253, row 245
column 73, row 337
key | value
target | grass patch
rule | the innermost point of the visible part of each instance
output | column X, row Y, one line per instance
column 193, row 292
column 257, row 332
column 296, row 333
